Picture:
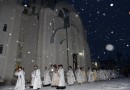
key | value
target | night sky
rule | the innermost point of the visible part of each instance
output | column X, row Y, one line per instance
column 108, row 24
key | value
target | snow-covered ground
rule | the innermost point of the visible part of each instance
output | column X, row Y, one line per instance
column 115, row 84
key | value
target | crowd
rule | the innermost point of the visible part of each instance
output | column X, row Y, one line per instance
column 55, row 77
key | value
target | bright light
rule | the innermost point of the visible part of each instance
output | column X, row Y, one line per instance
column 81, row 54
column 111, row 4
column 96, row 64
column 109, row 47
column 52, row 69
column 25, row 5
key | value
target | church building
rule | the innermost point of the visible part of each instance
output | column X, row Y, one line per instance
column 42, row 33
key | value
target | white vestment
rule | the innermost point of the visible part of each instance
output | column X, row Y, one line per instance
column 78, row 75
column 32, row 78
column 37, row 83
column 84, row 77
column 61, row 78
column 20, row 84
column 70, row 77
column 55, row 78
column 90, row 76
column 47, row 79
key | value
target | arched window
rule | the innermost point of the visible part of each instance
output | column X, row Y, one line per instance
column 1, row 49
column 5, row 28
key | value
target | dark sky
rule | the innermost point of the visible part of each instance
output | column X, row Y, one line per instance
column 108, row 24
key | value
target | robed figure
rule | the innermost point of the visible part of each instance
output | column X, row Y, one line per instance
column 20, row 84
column 55, row 77
column 61, row 84
column 90, row 76
column 32, row 79
column 84, row 76
column 70, row 76
column 47, row 79
column 37, row 83
column 78, row 75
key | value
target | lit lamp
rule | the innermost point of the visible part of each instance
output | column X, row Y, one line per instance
column 81, row 54
column 96, row 64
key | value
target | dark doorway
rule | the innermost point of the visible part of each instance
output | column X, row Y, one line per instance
column 75, row 63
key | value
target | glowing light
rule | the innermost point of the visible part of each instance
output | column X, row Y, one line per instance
column 52, row 69
column 81, row 54
column 96, row 64
column 127, row 45
column 25, row 5
column 109, row 47
column 111, row 4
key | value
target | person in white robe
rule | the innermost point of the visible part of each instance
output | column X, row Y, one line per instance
column 61, row 84
column 51, row 69
column 32, row 79
column 37, row 83
column 90, row 76
column 55, row 77
column 70, row 76
column 84, row 76
column 94, row 74
column 78, row 75
column 101, row 74
column 20, row 84
column 47, row 79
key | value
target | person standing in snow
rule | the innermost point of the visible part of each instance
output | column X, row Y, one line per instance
column 37, row 83
column 61, row 84
column 47, row 79
column 78, row 75
column 55, row 77
column 84, row 76
column 90, row 76
column 20, row 84
column 70, row 76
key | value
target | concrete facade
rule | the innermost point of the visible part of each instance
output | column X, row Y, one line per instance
column 53, row 36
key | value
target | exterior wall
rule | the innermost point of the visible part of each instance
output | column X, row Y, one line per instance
column 10, row 14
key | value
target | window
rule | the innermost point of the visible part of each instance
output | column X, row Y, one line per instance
column 1, row 49
column 5, row 28
column 61, row 14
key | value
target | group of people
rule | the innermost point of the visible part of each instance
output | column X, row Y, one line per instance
column 55, row 77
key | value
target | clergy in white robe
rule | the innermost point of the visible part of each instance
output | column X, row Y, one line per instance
column 84, row 76
column 47, row 79
column 70, row 76
column 20, row 84
column 37, row 83
column 90, row 76
column 94, row 74
column 78, row 75
column 62, row 84
column 32, row 79
column 55, row 77
column 51, row 69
